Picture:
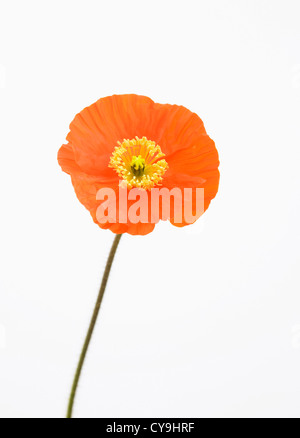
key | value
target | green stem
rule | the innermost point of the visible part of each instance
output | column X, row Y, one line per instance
column 92, row 323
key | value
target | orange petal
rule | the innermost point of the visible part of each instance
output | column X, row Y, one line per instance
column 66, row 159
column 95, row 131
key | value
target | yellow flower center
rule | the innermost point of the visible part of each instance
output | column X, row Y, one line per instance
column 138, row 165
column 138, row 162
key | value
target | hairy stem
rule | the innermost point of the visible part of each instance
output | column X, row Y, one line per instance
column 92, row 324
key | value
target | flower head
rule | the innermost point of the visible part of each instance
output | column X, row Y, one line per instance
column 131, row 142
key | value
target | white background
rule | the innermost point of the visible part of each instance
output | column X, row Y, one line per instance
column 196, row 322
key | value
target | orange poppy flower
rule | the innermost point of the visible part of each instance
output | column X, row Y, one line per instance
column 132, row 140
